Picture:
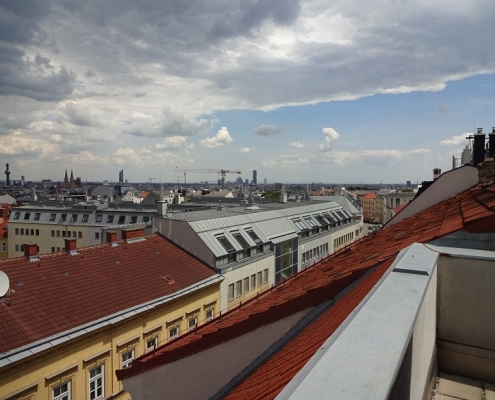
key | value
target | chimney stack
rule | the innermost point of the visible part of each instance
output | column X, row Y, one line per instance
column 479, row 147
column 112, row 238
column 436, row 173
column 70, row 246
column 30, row 250
column 162, row 207
column 133, row 234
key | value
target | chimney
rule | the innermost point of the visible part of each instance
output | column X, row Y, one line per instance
column 479, row 147
column 30, row 250
column 112, row 238
column 436, row 173
column 71, row 246
column 162, row 206
column 486, row 171
column 133, row 234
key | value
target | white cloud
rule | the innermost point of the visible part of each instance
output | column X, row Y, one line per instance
column 300, row 145
column 220, row 139
column 455, row 140
column 267, row 130
column 172, row 143
column 246, row 149
column 331, row 135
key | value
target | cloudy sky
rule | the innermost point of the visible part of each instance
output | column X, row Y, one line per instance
column 303, row 91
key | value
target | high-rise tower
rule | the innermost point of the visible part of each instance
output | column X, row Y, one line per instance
column 255, row 177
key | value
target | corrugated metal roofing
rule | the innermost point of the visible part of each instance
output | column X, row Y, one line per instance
column 281, row 239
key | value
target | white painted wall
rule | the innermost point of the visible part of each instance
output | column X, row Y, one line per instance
column 201, row 375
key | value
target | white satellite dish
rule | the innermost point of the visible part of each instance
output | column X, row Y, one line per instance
column 4, row 284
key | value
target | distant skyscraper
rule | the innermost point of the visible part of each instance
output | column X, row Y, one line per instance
column 255, row 177
column 121, row 176
column 264, row 181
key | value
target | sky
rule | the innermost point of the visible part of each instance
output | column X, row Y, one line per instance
column 302, row 91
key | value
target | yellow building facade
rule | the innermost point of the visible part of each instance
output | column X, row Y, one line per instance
column 84, row 367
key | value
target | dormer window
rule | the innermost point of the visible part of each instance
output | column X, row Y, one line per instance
column 85, row 218
column 17, row 215
column 63, row 217
column 253, row 236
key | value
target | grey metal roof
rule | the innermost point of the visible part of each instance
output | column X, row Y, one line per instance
column 267, row 225
column 283, row 238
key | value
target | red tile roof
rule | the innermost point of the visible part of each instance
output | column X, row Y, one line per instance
column 100, row 280
column 322, row 282
column 3, row 224
column 371, row 195
column 399, row 208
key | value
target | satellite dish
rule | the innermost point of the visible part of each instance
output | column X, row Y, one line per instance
column 4, row 284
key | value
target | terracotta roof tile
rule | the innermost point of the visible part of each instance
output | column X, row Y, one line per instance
column 101, row 280
column 317, row 284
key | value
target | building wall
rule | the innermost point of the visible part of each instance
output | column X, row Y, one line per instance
column 49, row 237
column 74, row 359
column 240, row 274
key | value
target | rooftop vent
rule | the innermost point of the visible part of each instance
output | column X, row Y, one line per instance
column 168, row 279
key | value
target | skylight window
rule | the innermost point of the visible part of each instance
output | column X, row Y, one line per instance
column 110, row 219
column 300, row 225
column 27, row 215
column 226, row 244
column 244, row 244
column 85, row 218
column 17, row 215
column 321, row 220
column 311, row 222
column 37, row 216
column 63, row 217
column 52, row 217
column 73, row 218
column 99, row 218
column 253, row 236
column 122, row 219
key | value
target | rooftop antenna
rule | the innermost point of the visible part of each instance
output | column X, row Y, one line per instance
column 4, row 284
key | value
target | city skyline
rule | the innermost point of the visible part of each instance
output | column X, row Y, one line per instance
column 366, row 92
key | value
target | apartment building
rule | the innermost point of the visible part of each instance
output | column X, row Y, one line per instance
column 255, row 247
column 50, row 225
column 71, row 318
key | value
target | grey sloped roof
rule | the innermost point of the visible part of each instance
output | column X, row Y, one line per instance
column 267, row 225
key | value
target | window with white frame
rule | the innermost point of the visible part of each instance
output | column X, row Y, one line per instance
column 253, row 281
column 192, row 323
column 265, row 276
column 151, row 343
column 61, row 392
column 4, row 247
column 173, row 332
column 96, row 380
column 259, row 278
column 210, row 314
column 231, row 292
column 238, row 285
column 127, row 358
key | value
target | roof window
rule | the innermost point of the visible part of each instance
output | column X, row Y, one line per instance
column 226, row 244
column 52, row 217
column 311, row 222
column 63, row 217
column 27, row 215
column 240, row 239
column 110, row 219
column 253, row 236
column 99, row 218
column 300, row 225
column 321, row 220
column 17, row 215
column 73, row 218
column 85, row 218
column 37, row 216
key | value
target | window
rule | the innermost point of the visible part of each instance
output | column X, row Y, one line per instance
column 73, row 218
column 127, row 358
column 226, row 244
column 133, row 219
column 210, row 314
column 311, row 222
column 240, row 240
column 146, row 219
column 52, row 217
column 53, row 249
column 231, row 292
column 37, row 216
column 37, row 232
column 192, row 323
column 53, row 233
column 85, row 218
column 27, row 215
column 265, row 276
column 246, row 285
column 253, row 281
column 16, row 231
column 96, row 382
column 61, row 392
column 122, row 219
column 253, row 236
column 151, row 343
column 16, row 247
column 259, row 278
column 4, row 247
column 99, row 218
column 300, row 225
column 31, row 232
column 63, row 218
column 110, row 219
column 238, row 288
column 17, row 215
column 22, row 231
column 173, row 332
column 97, row 235
column 79, row 235
column 68, row 233
column 63, row 233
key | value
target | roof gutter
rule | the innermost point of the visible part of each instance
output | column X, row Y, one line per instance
column 22, row 352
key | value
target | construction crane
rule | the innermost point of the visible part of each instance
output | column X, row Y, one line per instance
column 221, row 172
